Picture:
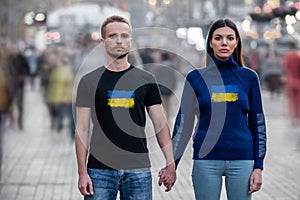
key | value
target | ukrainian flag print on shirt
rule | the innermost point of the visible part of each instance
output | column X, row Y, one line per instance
column 224, row 93
column 121, row 98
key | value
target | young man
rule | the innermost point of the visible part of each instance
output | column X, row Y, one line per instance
column 115, row 97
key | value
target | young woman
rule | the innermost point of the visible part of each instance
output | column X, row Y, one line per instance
column 229, row 138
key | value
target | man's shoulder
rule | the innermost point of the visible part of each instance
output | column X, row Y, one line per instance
column 91, row 78
column 93, row 73
column 140, row 71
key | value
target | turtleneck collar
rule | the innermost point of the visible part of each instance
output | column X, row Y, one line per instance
column 222, row 64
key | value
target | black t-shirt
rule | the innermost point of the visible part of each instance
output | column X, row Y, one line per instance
column 118, row 101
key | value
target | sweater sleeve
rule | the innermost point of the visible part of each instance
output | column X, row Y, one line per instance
column 185, row 118
column 257, row 122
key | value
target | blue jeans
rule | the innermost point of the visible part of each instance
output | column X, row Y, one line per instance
column 135, row 184
column 207, row 179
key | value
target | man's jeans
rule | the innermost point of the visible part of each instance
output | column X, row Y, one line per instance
column 207, row 178
column 135, row 184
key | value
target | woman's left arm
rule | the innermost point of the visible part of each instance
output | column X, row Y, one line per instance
column 257, row 122
column 257, row 126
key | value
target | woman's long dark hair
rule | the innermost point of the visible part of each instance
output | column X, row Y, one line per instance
column 238, row 53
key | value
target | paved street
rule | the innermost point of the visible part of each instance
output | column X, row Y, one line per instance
column 40, row 164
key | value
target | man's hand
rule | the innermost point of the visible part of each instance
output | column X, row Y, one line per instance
column 255, row 181
column 167, row 176
column 85, row 185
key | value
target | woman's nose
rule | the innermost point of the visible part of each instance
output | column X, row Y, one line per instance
column 224, row 41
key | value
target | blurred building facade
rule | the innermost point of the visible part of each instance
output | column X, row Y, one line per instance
column 15, row 15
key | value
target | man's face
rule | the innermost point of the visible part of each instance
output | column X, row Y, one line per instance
column 117, row 39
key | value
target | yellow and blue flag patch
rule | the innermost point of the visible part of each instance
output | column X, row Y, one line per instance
column 121, row 98
column 226, row 93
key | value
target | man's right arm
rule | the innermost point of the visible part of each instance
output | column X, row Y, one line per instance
column 81, row 145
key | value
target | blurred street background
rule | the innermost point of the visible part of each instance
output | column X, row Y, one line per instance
column 46, row 46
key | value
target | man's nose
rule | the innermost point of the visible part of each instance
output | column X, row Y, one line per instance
column 119, row 38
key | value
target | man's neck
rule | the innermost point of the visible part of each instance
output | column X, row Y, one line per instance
column 117, row 65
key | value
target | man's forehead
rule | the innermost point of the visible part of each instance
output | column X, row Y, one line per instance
column 118, row 26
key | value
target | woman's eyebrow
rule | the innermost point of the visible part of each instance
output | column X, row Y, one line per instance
column 224, row 35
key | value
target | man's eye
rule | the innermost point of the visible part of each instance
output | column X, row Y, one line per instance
column 124, row 36
column 113, row 36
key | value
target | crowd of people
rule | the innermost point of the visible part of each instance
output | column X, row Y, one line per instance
column 49, row 72
column 53, row 71
column 279, row 71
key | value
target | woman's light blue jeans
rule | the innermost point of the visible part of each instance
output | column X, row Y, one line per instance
column 133, row 184
column 207, row 179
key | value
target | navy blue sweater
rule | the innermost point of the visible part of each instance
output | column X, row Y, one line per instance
column 226, row 101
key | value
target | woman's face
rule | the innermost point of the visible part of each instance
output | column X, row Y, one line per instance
column 223, row 42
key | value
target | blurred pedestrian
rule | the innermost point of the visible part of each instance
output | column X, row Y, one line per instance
column 165, row 75
column 45, row 63
column 134, row 57
column 88, row 55
column 5, row 94
column 54, row 96
column 5, row 86
column 32, row 59
column 230, row 136
column 19, row 70
column 271, row 73
column 59, row 93
column 146, row 58
column 66, row 109
column 116, row 97
column 292, row 83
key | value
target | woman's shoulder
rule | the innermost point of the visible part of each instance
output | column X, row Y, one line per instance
column 196, row 72
column 247, row 71
column 195, row 75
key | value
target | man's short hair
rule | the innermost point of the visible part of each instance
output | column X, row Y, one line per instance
column 111, row 19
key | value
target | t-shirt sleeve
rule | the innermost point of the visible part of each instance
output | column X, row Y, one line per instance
column 83, row 96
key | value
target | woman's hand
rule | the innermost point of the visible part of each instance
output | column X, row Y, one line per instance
column 255, row 181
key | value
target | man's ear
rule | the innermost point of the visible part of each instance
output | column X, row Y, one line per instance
column 102, row 41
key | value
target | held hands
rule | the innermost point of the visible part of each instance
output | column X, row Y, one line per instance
column 167, row 176
column 85, row 185
column 255, row 181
